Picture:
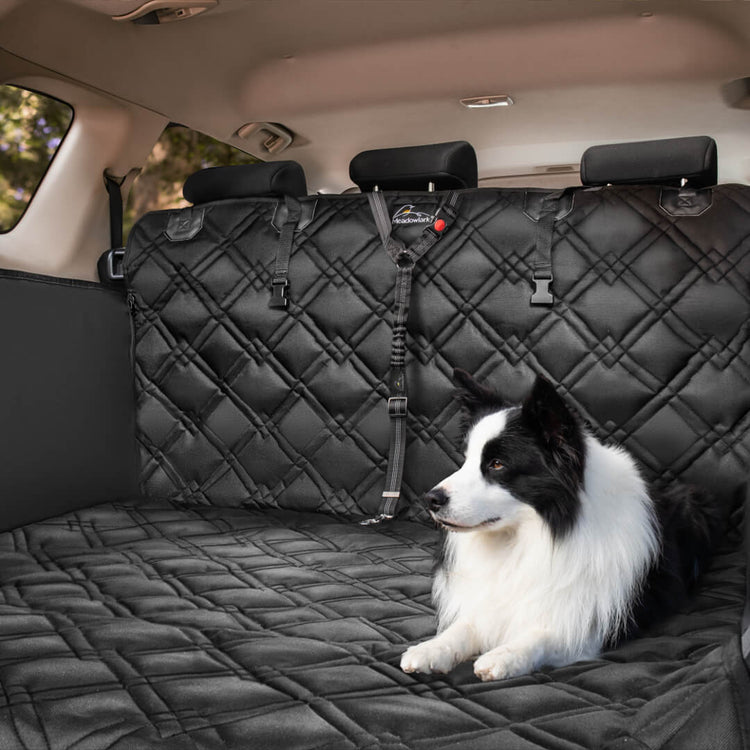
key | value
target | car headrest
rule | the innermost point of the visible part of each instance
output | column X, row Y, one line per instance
column 447, row 165
column 664, row 162
column 276, row 178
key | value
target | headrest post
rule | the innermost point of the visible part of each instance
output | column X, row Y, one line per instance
column 430, row 187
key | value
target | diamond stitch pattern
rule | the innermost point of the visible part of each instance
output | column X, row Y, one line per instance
column 159, row 624
column 646, row 305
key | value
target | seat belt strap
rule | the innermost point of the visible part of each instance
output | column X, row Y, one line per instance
column 405, row 258
column 280, row 283
column 114, row 190
column 110, row 264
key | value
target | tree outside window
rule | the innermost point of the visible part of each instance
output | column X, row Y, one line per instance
column 32, row 127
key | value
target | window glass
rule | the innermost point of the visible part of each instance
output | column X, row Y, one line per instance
column 178, row 153
column 32, row 127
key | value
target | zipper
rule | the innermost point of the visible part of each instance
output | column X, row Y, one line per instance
column 132, row 309
column 130, row 300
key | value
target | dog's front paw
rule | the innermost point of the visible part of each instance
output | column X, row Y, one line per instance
column 428, row 657
column 500, row 663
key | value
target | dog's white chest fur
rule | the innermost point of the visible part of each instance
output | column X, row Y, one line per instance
column 486, row 579
column 523, row 599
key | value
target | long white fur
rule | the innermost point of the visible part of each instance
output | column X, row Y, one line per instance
column 510, row 592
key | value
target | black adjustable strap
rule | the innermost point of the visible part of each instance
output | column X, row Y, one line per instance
column 280, row 284
column 542, row 264
column 110, row 262
column 405, row 259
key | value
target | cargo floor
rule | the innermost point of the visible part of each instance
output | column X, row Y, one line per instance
column 151, row 624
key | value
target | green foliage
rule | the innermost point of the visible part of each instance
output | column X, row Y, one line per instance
column 177, row 154
column 31, row 129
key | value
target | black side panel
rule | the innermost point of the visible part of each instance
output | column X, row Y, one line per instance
column 66, row 397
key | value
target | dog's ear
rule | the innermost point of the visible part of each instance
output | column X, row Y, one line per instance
column 474, row 396
column 556, row 426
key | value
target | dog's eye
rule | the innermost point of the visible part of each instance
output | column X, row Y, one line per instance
column 495, row 465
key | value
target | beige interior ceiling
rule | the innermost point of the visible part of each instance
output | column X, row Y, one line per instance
column 346, row 75
column 111, row 7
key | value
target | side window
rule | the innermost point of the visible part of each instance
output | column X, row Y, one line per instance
column 32, row 127
column 178, row 153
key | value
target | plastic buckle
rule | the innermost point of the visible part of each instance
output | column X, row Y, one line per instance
column 397, row 406
column 279, row 297
column 542, row 294
column 376, row 519
column 114, row 264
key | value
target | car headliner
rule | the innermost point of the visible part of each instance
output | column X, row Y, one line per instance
column 345, row 75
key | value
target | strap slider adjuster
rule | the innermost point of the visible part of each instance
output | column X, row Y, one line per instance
column 404, row 260
column 397, row 406
column 279, row 297
column 448, row 210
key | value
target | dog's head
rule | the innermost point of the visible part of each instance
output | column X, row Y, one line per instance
column 517, row 458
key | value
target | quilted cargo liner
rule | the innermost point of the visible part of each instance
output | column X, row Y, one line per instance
column 155, row 625
column 239, row 403
column 226, row 614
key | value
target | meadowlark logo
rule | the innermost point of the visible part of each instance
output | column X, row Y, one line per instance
column 409, row 215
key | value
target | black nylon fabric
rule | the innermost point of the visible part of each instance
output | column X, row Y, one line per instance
column 158, row 625
column 239, row 404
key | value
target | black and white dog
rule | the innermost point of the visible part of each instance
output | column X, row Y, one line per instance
column 562, row 547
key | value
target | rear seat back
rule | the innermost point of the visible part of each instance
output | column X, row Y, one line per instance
column 240, row 403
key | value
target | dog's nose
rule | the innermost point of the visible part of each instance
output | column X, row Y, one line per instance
column 436, row 498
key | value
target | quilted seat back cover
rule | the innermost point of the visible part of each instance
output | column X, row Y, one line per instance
column 242, row 404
